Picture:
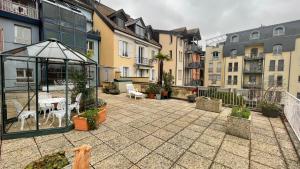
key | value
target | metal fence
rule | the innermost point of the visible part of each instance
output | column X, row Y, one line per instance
column 235, row 97
column 292, row 112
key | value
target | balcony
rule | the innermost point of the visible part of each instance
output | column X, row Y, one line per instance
column 194, row 65
column 250, row 57
column 144, row 62
column 254, row 85
column 193, row 48
column 19, row 9
column 253, row 71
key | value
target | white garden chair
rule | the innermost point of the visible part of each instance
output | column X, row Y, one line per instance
column 131, row 92
column 45, row 106
column 60, row 113
column 23, row 115
column 76, row 104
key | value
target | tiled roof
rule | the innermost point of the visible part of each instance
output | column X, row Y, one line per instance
column 104, row 12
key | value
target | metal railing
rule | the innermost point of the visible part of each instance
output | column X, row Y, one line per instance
column 143, row 61
column 194, row 65
column 18, row 8
column 194, row 48
column 254, row 56
column 234, row 97
column 292, row 112
column 252, row 85
column 253, row 70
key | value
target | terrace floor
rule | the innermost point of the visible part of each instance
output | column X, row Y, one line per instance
column 163, row 134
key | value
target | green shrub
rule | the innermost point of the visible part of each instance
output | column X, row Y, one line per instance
column 153, row 88
column 101, row 103
column 270, row 109
column 56, row 160
column 241, row 112
column 91, row 116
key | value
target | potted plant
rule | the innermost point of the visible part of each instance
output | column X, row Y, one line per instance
column 192, row 98
column 56, row 160
column 238, row 122
column 86, row 121
column 167, row 84
column 152, row 90
column 102, row 110
column 158, row 94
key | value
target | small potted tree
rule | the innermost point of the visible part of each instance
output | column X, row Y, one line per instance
column 192, row 98
column 167, row 84
column 86, row 121
column 238, row 122
column 270, row 106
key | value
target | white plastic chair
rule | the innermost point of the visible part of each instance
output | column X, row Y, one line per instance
column 76, row 104
column 46, row 106
column 60, row 113
column 22, row 115
column 132, row 92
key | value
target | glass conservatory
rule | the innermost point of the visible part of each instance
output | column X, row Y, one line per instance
column 42, row 86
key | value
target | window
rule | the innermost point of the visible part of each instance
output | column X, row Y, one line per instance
column 254, row 35
column 254, row 52
column 279, row 81
column 170, row 71
column 123, row 48
column 179, row 74
column 229, row 80
column 252, row 79
column 236, row 66
column 298, row 95
column 140, row 55
column 233, row 52
column 140, row 31
column 210, row 68
column 125, row 72
column 235, row 79
column 277, row 49
column 219, row 67
column 152, row 54
column 171, row 39
column 277, row 31
column 180, row 56
column 229, row 67
column 272, row 65
column 299, row 79
column 90, row 45
column 149, row 35
column 215, row 55
column 22, row 35
column 24, row 75
column 180, row 42
column 234, row 38
column 170, row 53
column 280, row 65
column 271, row 80
column 1, row 40
column 120, row 22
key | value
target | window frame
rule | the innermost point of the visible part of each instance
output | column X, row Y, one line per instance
column 232, row 38
column 230, row 67
column 125, row 69
column 15, row 35
column 25, row 76
column 171, row 54
column 235, row 80
column 229, row 80
column 215, row 57
column 236, row 67
column 271, row 66
column 280, row 67
column 252, row 37
column 233, row 54
column 276, row 33
column 277, row 50
column 298, row 95
column 278, row 82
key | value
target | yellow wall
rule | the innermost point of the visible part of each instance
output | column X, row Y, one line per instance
column 239, row 73
column 295, row 70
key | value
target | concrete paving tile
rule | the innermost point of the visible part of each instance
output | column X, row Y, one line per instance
column 135, row 135
column 100, row 152
column 267, row 159
column 290, row 154
column 193, row 161
column 255, row 165
column 236, row 149
column 92, row 141
column 214, row 133
column 115, row 161
column 108, row 135
column 268, row 148
column 77, row 135
column 231, row 160
column 173, row 128
column 155, row 161
column 119, row 143
column 180, row 123
column 189, row 134
column 151, row 142
column 135, row 152
column 40, row 139
column 181, row 141
column 212, row 141
column 163, row 134
column 204, row 150
column 149, row 128
column 293, row 164
column 202, row 123
column 218, row 166
column 54, row 145
column 123, row 129
column 263, row 139
column 196, row 128
column 12, row 145
column 169, row 151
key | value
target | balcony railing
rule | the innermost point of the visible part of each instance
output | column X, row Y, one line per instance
column 252, row 70
column 194, row 65
column 252, row 85
column 259, row 56
column 144, row 61
column 193, row 48
column 19, row 9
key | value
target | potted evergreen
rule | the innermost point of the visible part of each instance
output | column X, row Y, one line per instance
column 270, row 109
column 192, row 98
column 167, row 84
column 152, row 90
column 239, row 122
column 87, row 120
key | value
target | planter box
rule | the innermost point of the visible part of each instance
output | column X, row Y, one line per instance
column 239, row 127
column 207, row 104
column 102, row 115
column 80, row 123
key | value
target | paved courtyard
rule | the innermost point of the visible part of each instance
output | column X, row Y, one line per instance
column 163, row 134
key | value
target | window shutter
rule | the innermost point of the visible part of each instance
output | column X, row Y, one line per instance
column 120, row 48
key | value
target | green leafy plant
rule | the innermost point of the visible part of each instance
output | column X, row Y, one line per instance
column 161, row 58
column 270, row 109
column 91, row 116
column 101, row 103
column 168, row 80
column 240, row 111
column 57, row 160
column 111, row 89
column 153, row 88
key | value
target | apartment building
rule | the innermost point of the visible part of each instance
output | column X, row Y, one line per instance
column 261, row 58
column 186, row 62
column 127, row 45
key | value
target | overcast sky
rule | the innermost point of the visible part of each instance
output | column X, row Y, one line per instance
column 213, row 17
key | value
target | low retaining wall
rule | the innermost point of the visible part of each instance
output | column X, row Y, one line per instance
column 213, row 105
column 181, row 92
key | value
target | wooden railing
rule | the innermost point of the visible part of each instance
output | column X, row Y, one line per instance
column 19, row 9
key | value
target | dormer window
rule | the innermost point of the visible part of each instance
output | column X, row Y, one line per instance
column 279, row 30
column 120, row 22
column 233, row 52
column 234, row 38
column 277, row 49
column 149, row 35
column 140, row 31
column 254, row 35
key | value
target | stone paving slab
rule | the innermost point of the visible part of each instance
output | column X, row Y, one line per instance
column 142, row 134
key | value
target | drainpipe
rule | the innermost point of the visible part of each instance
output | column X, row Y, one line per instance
column 289, row 71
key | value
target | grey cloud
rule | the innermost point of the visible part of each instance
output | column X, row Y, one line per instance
column 213, row 17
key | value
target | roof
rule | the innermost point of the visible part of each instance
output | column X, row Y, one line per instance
column 50, row 49
column 105, row 12
column 183, row 31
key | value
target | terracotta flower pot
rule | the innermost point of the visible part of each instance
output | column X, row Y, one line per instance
column 80, row 123
column 164, row 93
column 151, row 96
column 102, row 114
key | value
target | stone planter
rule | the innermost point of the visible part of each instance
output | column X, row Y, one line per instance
column 239, row 127
column 207, row 104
